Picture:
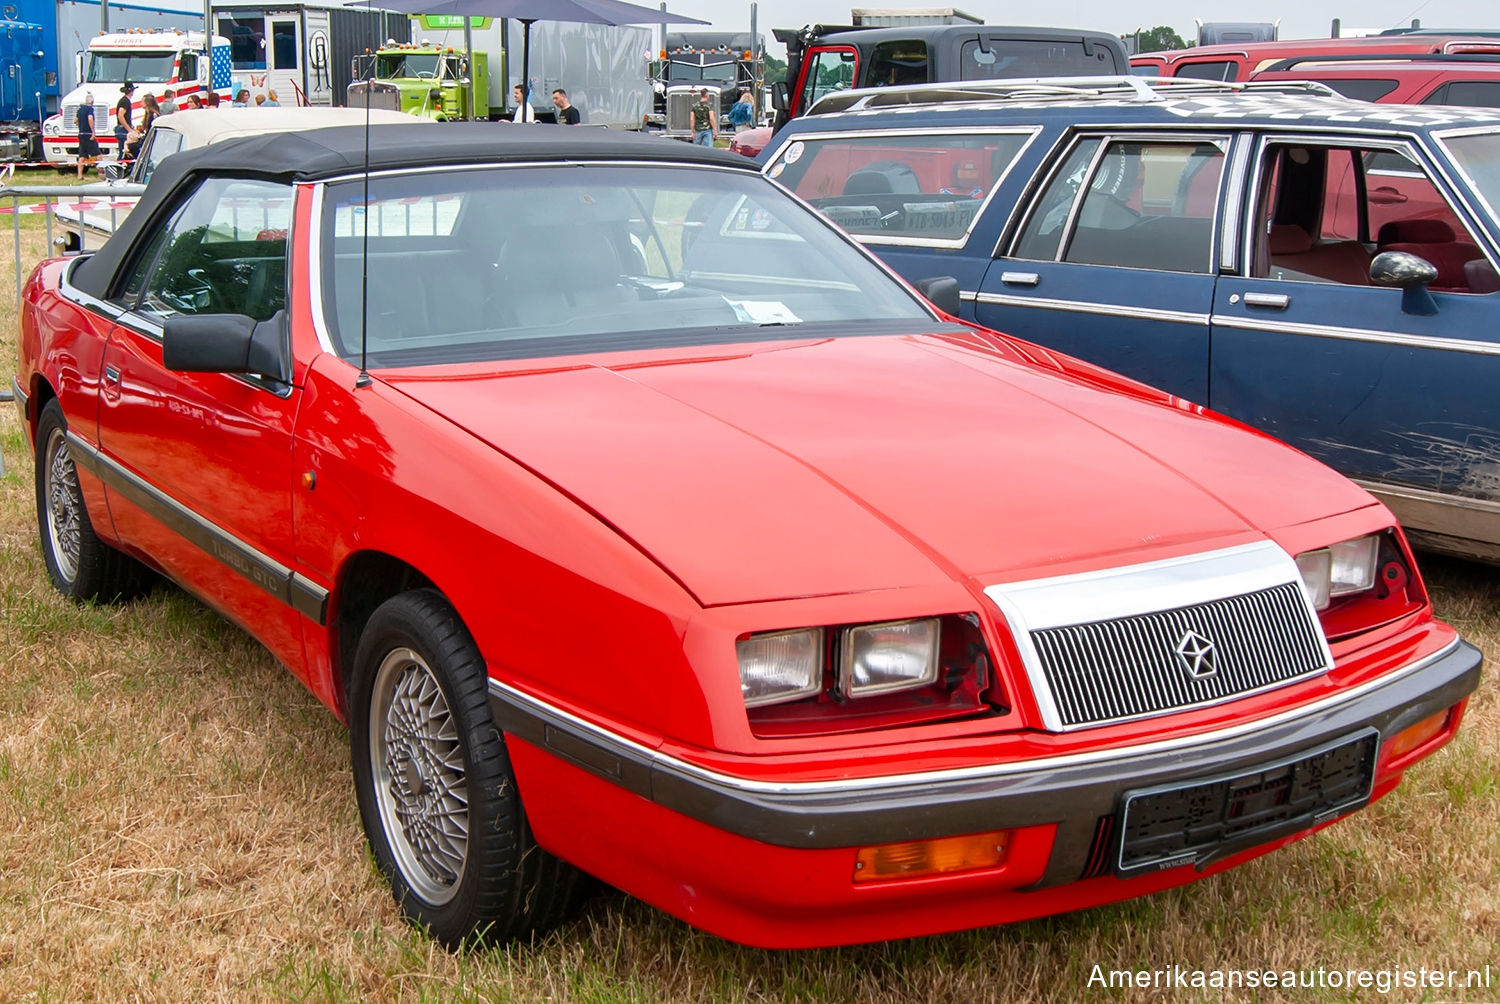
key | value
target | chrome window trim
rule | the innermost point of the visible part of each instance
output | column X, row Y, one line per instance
column 1232, row 201
column 392, row 172
column 1359, row 334
column 1084, row 187
column 1030, row 132
column 315, row 269
column 1131, row 590
column 292, row 588
column 653, row 756
column 1091, row 307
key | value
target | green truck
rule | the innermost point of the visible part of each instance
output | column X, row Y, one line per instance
column 426, row 80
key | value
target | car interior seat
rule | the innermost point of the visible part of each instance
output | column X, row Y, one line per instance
column 1434, row 241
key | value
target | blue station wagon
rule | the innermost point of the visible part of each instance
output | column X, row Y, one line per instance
column 1320, row 268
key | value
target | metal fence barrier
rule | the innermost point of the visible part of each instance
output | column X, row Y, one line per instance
column 51, row 196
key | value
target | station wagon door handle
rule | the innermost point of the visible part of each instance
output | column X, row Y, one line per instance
column 1273, row 301
column 111, row 382
column 1020, row 278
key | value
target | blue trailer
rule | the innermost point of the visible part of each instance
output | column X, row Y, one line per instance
column 23, row 82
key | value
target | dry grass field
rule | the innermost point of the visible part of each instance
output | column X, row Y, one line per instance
column 177, row 823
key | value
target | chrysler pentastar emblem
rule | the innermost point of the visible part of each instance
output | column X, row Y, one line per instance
column 1197, row 655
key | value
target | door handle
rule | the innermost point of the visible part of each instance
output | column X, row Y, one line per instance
column 1020, row 278
column 1272, row 301
column 111, row 382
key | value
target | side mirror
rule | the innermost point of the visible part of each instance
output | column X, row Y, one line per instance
column 226, row 343
column 1409, row 273
column 115, row 171
column 778, row 96
column 942, row 291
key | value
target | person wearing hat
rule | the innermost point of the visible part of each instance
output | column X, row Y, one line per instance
column 122, row 118
column 705, row 120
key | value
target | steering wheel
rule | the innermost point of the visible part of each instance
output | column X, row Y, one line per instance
column 426, row 75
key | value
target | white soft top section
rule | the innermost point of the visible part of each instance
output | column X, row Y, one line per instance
column 205, row 126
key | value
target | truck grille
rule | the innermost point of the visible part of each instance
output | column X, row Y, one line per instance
column 1168, row 660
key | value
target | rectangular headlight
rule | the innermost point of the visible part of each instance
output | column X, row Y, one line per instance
column 1346, row 567
column 780, row 666
column 896, row 655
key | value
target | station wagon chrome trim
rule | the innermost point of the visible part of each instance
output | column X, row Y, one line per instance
column 1359, row 335
column 1088, row 307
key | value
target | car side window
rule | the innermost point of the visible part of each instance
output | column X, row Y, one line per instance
column 896, row 63
column 900, row 187
column 1326, row 212
column 187, row 66
column 831, row 70
column 1468, row 93
column 1217, row 70
column 1043, row 233
column 223, row 252
column 1149, row 204
column 161, row 145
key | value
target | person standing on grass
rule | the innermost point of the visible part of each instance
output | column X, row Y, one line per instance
column 705, row 120
column 88, row 146
column 566, row 113
column 123, row 110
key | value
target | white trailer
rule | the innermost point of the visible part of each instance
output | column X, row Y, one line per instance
column 900, row 17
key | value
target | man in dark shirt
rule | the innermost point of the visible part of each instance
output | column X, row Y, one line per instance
column 566, row 113
column 122, row 118
column 88, row 146
column 705, row 120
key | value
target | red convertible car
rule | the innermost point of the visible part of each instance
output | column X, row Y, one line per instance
column 641, row 525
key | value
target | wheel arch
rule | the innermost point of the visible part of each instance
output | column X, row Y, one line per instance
column 365, row 581
column 42, row 391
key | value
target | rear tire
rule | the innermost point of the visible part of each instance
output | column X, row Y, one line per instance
column 435, row 788
column 81, row 566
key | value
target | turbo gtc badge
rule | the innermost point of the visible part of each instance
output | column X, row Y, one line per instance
column 1197, row 655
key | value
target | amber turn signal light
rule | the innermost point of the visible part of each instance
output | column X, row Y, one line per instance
column 922, row 858
column 1417, row 735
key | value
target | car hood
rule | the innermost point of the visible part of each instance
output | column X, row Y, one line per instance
column 800, row 469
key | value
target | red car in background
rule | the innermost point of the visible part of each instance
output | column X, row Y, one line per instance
column 1469, row 80
column 1239, row 61
column 641, row 524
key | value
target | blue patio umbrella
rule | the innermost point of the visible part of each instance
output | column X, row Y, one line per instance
column 613, row 12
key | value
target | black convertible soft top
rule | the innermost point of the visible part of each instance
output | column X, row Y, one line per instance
column 340, row 150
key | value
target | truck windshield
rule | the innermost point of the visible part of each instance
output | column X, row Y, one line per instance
column 408, row 64
column 138, row 67
column 723, row 72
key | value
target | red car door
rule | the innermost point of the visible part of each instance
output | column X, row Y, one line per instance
column 199, row 464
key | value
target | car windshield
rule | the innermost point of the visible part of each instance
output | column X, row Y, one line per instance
column 518, row 262
column 138, row 67
column 1479, row 157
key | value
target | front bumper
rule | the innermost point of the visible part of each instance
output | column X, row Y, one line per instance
column 1073, row 792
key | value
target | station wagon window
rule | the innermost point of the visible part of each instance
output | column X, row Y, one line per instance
column 1149, row 204
column 829, row 70
column 222, row 252
column 1326, row 212
column 900, row 187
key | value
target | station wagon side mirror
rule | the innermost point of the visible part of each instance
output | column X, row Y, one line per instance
column 942, row 291
column 226, row 343
column 1410, row 273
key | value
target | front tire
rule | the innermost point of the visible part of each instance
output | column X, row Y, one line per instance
column 435, row 789
column 81, row 566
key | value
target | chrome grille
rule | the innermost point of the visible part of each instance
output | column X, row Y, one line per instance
column 1168, row 660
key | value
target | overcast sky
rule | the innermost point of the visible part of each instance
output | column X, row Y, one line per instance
column 1308, row 19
